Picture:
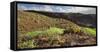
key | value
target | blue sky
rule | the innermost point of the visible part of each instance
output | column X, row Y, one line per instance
column 55, row 8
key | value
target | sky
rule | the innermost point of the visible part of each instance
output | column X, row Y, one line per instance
column 57, row 8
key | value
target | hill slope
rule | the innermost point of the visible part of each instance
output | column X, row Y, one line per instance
column 63, row 31
column 31, row 21
column 78, row 18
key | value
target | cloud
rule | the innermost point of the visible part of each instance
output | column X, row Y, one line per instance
column 85, row 10
column 60, row 8
column 53, row 8
column 21, row 7
column 47, row 8
column 79, row 9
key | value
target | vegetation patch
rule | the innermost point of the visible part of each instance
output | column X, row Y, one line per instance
column 90, row 31
column 50, row 31
column 27, row 44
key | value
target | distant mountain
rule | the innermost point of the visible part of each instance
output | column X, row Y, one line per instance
column 91, row 11
column 83, row 19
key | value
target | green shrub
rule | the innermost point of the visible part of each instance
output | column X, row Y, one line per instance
column 35, row 33
column 54, row 31
column 90, row 31
column 51, row 31
column 27, row 44
column 73, row 29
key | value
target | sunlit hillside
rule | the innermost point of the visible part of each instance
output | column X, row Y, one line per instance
column 43, row 29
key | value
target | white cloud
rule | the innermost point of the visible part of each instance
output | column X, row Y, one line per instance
column 47, row 8
column 81, row 9
column 52, row 8
column 22, row 8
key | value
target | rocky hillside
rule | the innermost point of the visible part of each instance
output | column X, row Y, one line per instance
column 46, row 29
